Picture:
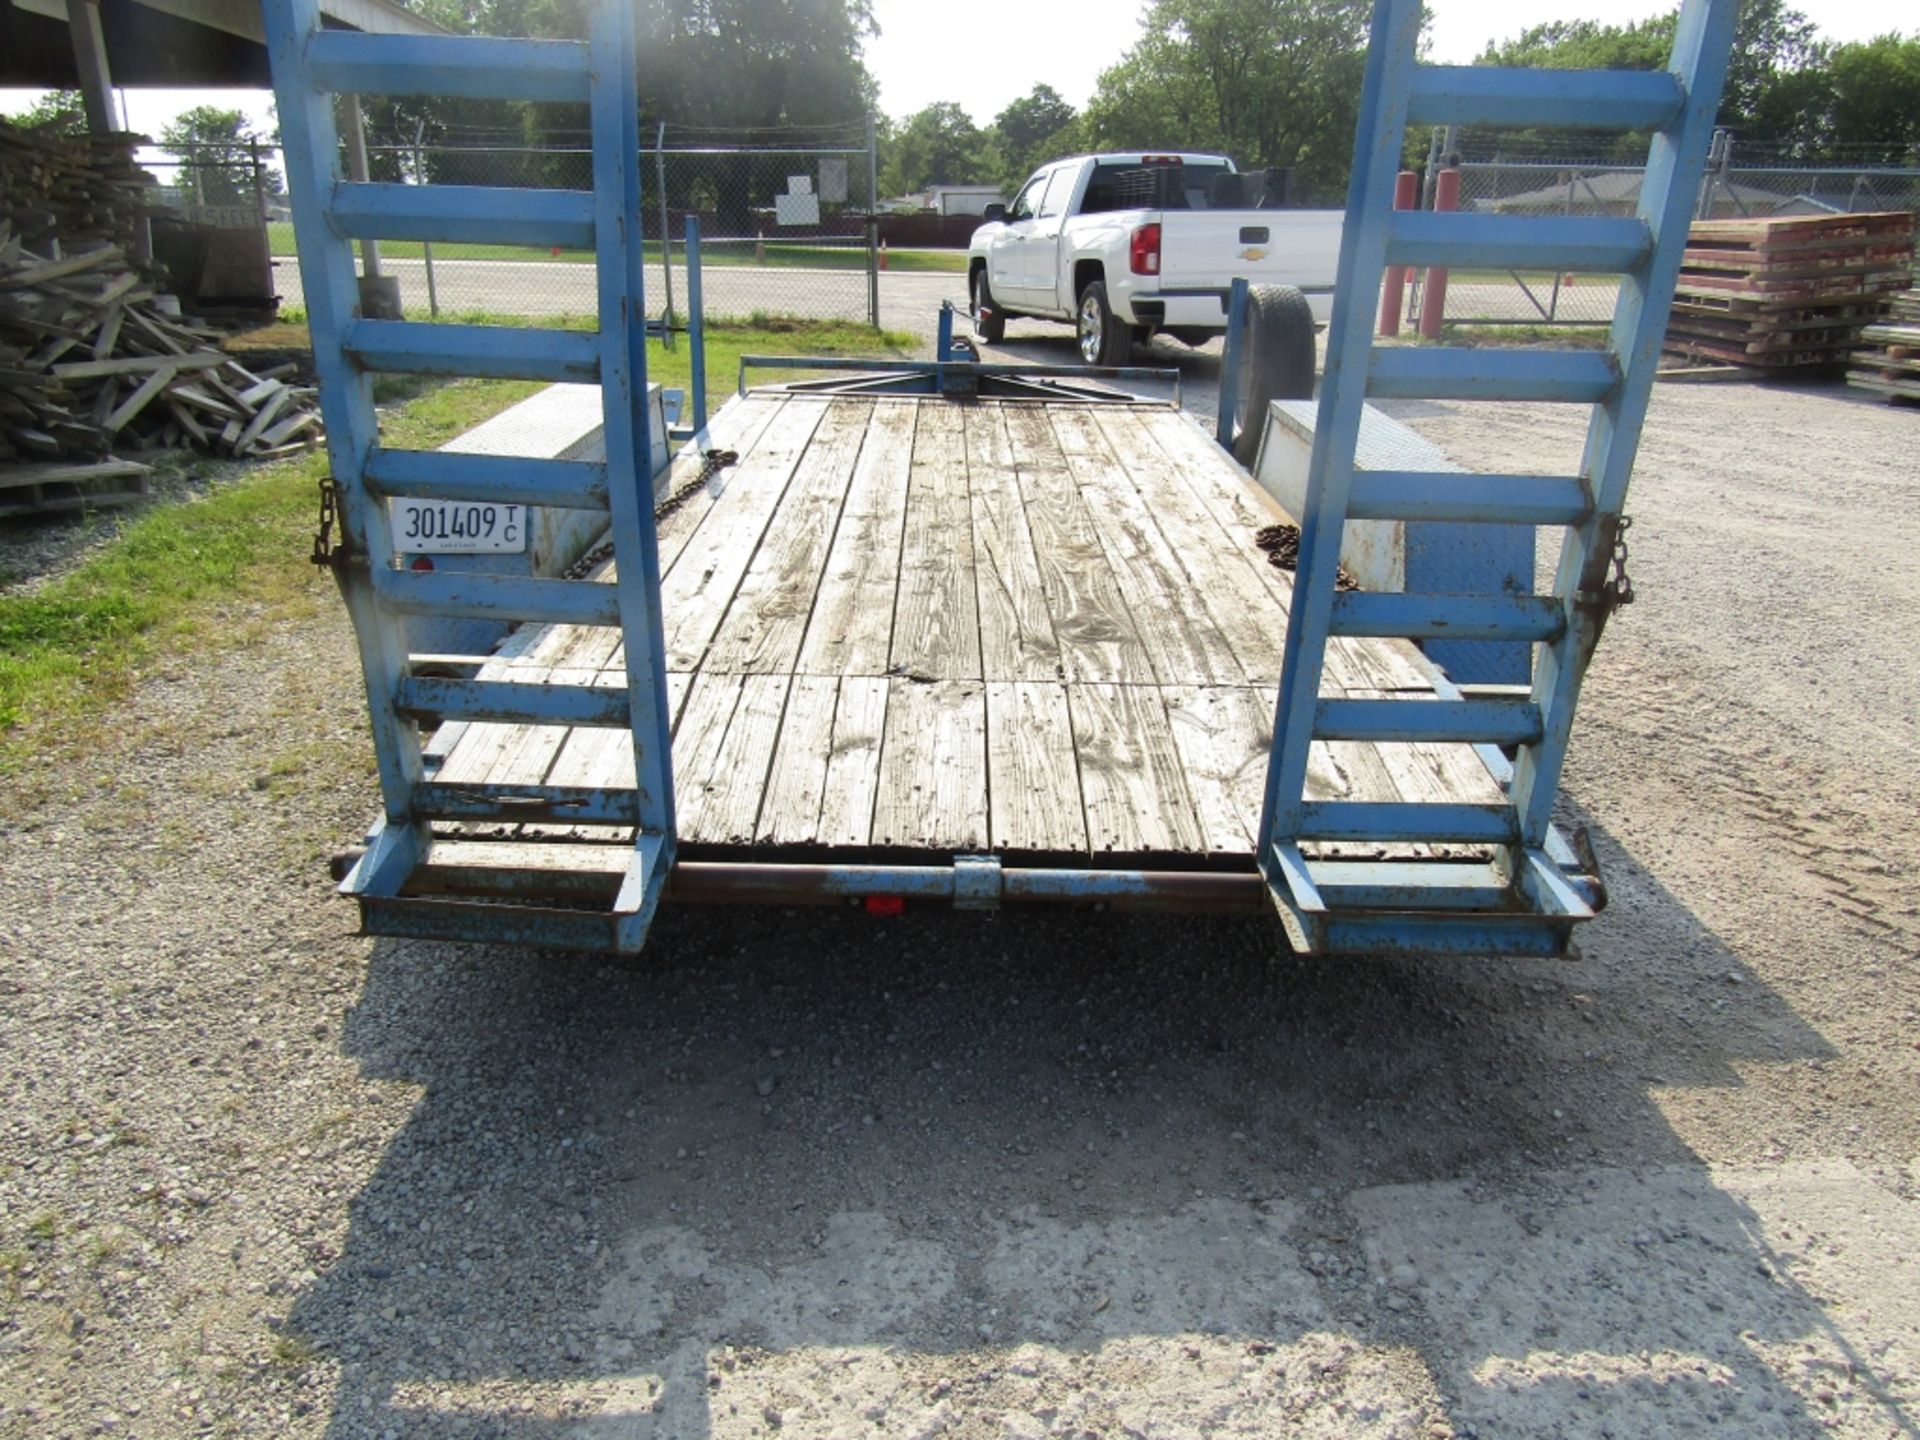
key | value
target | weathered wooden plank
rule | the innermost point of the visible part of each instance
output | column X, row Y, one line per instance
column 738, row 779
column 851, row 629
column 936, row 629
column 1016, row 632
column 933, row 766
column 701, row 582
column 767, row 619
column 696, row 747
column 1130, row 773
column 737, row 426
column 790, row 812
column 1170, row 617
column 1223, row 577
column 1095, row 633
column 1221, row 735
column 1032, row 775
column 853, row 763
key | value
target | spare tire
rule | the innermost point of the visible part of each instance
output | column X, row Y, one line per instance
column 1276, row 362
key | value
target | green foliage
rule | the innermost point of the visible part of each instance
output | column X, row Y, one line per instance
column 1273, row 83
column 58, row 112
column 939, row 145
column 214, row 147
column 1034, row 129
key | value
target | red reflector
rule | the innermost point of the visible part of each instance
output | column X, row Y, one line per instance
column 886, row 904
column 422, row 562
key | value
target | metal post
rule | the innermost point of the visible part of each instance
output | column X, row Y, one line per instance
column 1231, row 360
column 696, row 328
column 666, row 235
column 1433, row 303
column 873, row 226
column 426, row 246
column 1393, row 292
column 90, row 61
column 357, row 171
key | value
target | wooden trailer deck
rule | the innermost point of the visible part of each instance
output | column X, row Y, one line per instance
column 905, row 625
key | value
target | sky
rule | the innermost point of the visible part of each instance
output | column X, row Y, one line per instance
column 926, row 53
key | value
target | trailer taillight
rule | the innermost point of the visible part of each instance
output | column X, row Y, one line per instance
column 1144, row 252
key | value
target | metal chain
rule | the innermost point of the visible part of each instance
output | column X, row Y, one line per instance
column 712, row 462
column 329, row 509
column 1620, row 588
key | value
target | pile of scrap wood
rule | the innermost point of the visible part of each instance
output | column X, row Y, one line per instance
column 76, row 191
column 92, row 366
column 1787, row 292
column 1888, row 358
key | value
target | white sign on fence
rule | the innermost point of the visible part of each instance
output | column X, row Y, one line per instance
column 833, row 180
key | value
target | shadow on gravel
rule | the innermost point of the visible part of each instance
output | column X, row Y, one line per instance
column 832, row 1174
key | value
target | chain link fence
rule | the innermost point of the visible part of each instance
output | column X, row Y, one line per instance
column 1518, row 183
column 786, row 228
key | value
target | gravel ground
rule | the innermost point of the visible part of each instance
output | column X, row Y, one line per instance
column 812, row 1173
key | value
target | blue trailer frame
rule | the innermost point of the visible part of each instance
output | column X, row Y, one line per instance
column 1526, row 899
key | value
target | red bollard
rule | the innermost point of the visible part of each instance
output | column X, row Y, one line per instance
column 1393, row 292
column 1433, row 300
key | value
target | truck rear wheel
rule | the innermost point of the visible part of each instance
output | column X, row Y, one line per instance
column 989, row 320
column 1276, row 362
column 1103, row 339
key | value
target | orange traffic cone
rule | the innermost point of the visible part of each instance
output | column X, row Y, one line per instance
column 883, row 254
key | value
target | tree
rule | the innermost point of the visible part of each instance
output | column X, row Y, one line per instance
column 215, row 149
column 1027, row 130
column 58, row 112
column 1274, row 83
column 939, row 145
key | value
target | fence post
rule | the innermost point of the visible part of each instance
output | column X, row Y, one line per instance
column 1433, row 300
column 1393, row 291
column 666, row 235
column 426, row 246
column 873, row 226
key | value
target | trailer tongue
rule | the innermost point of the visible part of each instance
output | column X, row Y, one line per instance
column 942, row 631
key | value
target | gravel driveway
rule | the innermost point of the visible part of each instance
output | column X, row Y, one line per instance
column 818, row 1174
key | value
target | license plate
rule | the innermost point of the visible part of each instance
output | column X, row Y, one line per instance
column 458, row 527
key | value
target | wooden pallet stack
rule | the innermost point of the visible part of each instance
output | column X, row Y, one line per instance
column 1887, row 360
column 91, row 364
column 71, row 191
column 1787, row 293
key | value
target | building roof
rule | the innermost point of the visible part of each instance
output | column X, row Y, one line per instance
column 211, row 44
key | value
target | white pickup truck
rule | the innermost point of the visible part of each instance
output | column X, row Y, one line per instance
column 1127, row 245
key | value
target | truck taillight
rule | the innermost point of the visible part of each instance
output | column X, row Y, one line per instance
column 1145, row 250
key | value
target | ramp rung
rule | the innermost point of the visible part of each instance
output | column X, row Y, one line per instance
column 563, row 804
column 1479, row 722
column 465, row 67
column 488, row 479
column 1488, row 499
column 518, row 701
column 475, row 214
column 1514, row 98
column 494, row 352
column 1458, row 373
column 477, row 595
column 1605, row 246
column 1446, row 617
column 1405, row 820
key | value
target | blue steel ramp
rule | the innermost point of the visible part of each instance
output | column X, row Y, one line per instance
column 1529, row 897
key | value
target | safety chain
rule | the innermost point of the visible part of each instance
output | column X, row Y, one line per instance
column 712, row 462
column 323, row 549
column 1620, row 588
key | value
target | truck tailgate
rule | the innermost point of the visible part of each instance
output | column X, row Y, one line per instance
column 1210, row 249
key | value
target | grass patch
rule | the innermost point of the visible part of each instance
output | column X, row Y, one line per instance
column 167, row 579
column 773, row 255
column 1565, row 337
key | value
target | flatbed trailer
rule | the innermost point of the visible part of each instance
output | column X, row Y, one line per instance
column 903, row 632
column 958, row 631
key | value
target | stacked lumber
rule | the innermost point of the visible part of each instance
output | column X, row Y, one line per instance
column 1789, row 292
column 1887, row 359
column 91, row 364
column 76, row 191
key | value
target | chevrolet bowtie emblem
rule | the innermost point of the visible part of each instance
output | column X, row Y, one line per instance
column 1253, row 252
